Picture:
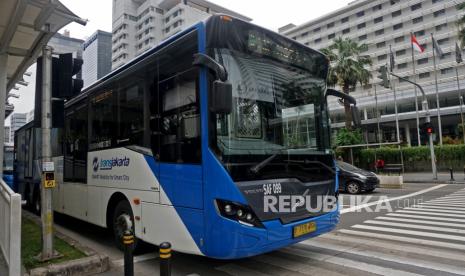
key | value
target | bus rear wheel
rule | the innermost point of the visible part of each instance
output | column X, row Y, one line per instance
column 123, row 219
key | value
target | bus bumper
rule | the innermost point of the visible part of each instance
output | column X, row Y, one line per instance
column 233, row 240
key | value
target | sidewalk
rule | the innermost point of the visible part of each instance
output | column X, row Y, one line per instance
column 427, row 177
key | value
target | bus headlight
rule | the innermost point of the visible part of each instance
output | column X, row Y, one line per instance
column 238, row 212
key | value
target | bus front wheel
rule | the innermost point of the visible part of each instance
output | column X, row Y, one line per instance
column 123, row 219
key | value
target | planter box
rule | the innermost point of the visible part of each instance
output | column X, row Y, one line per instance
column 391, row 181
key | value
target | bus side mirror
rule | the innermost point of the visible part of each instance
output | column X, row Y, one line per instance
column 356, row 116
column 353, row 105
column 221, row 97
column 221, row 92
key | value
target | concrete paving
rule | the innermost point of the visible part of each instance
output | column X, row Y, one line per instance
column 427, row 177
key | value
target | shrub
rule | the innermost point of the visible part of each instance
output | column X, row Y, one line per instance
column 417, row 158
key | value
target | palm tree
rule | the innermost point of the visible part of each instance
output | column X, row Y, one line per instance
column 461, row 23
column 348, row 68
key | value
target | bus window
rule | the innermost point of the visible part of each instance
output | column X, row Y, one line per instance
column 178, row 90
column 103, row 120
column 131, row 116
column 76, row 144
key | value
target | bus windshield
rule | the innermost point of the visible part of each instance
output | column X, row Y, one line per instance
column 278, row 127
column 276, row 107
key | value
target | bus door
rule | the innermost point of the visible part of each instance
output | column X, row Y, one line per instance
column 180, row 136
column 75, row 162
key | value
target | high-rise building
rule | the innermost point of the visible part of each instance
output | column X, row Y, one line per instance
column 7, row 135
column 382, row 24
column 17, row 120
column 138, row 25
column 63, row 44
column 96, row 56
column 30, row 116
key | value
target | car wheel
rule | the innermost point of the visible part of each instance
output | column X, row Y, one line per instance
column 353, row 187
column 123, row 218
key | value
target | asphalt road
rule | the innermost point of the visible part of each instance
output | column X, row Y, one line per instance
column 417, row 230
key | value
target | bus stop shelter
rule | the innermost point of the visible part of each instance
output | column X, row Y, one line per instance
column 26, row 26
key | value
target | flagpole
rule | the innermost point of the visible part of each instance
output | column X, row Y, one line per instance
column 460, row 101
column 395, row 95
column 377, row 115
column 438, row 107
column 416, row 93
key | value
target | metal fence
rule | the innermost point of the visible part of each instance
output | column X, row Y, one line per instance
column 10, row 228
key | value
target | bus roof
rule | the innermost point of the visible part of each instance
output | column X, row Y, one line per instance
column 163, row 44
column 131, row 63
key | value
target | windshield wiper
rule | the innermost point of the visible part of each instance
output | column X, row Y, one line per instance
column 255, row 169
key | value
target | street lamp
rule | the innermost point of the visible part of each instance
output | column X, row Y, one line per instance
column 428, row 121
column 461, row 116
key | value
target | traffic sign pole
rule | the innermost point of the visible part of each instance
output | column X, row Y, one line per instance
column 428, row 120
column 46, row 193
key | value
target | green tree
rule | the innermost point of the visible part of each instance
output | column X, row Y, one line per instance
column 345, row 137
column 461, row 23
column 348, row 68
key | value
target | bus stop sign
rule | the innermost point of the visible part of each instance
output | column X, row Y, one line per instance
column 49, row 180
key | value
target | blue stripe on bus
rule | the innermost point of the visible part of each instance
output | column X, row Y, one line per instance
column 193, row 219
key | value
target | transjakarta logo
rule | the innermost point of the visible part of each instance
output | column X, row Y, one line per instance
column 108, row 164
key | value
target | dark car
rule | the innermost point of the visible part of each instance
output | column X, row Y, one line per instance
column 355, row 180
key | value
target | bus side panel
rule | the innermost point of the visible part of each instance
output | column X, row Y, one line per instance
column 162, row 223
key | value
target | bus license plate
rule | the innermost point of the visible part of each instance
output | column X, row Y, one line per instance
column 304, row 229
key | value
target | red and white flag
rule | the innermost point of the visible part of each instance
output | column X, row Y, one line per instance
column 416, row 45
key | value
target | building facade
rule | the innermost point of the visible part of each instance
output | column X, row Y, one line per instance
column 96, row 56
column 17, row 120
column 382, row 24
column 138, row 25
column 64, row 43
column 7, row 135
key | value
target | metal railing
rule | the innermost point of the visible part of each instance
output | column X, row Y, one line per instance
column 10, row 228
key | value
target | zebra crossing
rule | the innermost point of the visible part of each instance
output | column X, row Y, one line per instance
column 424, row 239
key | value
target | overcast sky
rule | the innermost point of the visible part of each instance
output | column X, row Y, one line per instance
column 266, row 13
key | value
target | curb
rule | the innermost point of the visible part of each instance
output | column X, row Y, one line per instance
column 85, row 266
column 435, row 182
column 92, row 264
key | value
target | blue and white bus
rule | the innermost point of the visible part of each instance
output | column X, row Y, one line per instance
column 184, row 142
column 8, row 158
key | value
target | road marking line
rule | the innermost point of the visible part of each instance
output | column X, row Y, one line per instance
column 386, row 257
column 453, row 197
column 410, row 232
column 435, row 210
column 449, row 203
column 423, row 221
column 438, row 207
column 358, row 207
column 403, row 239
column 425, row 217
column 393, row 246
column 431, row 214
column 416, row 226
column 137, row 259
column 448, row 200
column 442, row 204
column 348, row 263
column 456, row 204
